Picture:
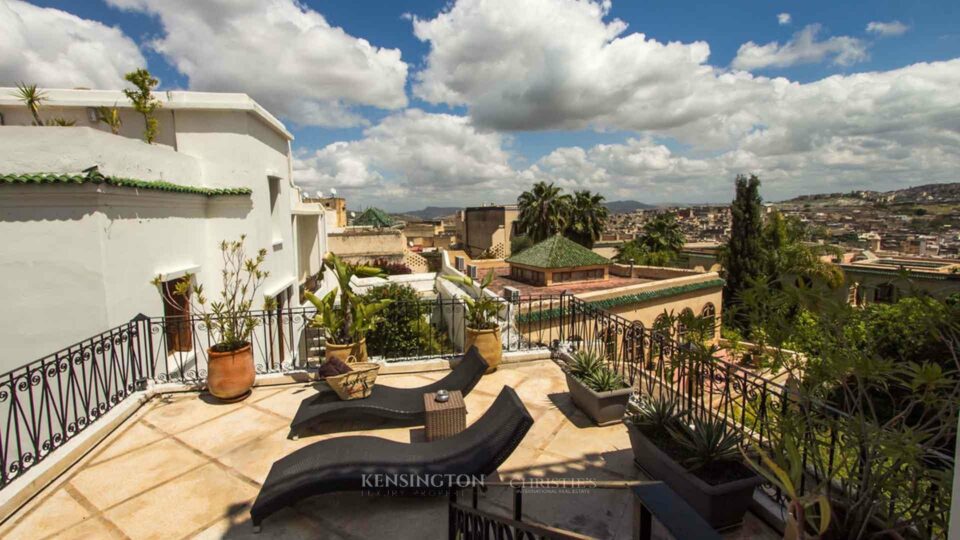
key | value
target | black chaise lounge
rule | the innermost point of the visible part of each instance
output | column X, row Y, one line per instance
column 360, row 463
column 388, row 401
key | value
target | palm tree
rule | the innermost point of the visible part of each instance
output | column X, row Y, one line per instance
column 544, row 211
column 32, row 97
column 662, row 234
column 588, row 218
column 788, row 254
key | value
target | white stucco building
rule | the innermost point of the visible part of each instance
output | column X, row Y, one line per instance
column 80, row 249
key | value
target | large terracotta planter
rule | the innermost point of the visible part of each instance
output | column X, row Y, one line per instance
column 604, row 408
column 230, row 374
column 349, row 353
column 722, row 505
column 488, row 345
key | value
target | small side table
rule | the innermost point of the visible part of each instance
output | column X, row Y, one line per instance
column 444, row 419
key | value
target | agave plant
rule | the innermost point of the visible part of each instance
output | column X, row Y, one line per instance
column 32, row 97
column 661, row 412
column 353, row 317
column 589, row 368
column 708, row 439
column 605, row 380
column 585, row 363
column 481, row 310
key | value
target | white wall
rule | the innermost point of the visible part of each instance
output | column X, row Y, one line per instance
column 78, row 259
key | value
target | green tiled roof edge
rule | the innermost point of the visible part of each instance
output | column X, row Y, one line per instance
column 546, row 255
column 912, row 274
column 96, row 178
column 616, row 301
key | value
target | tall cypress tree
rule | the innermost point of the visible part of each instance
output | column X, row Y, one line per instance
column 743, row 259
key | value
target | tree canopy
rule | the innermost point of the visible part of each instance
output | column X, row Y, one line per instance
column 546, row 210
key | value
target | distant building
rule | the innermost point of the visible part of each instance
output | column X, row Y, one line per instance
column 373, row 217
column 489, row 229
column 335, row 206
column 558, row 260
column 886, row 279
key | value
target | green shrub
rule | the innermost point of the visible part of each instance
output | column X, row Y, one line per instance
column 405, row 329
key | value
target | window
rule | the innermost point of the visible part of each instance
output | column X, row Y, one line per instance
column 274, row 184
column 178, row 329
column 682, row 330
column 709, row 315
column 885, row 294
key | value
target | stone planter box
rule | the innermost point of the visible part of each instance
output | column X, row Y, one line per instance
column 604, row 408
column 722, row 505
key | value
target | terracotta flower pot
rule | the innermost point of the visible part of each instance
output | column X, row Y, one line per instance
column 344, row 352
column 488, row 345
column 230, row 374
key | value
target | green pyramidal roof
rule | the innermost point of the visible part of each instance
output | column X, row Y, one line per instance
column 558, row 252
column 373, row 217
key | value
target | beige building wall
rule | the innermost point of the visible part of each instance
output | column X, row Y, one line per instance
column 489, row 228
column 365, row 245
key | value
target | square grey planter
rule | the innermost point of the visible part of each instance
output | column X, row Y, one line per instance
column 722, row 505
column 604, row 408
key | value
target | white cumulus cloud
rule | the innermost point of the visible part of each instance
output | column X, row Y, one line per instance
column 803, row 48
column 783, row 19
column 282, row 53
column 412, row 155
column 887, row 29
column 53, row 48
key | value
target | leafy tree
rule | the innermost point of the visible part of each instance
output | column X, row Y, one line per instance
column 588, row 218
column 658, row 245
column 788, row 255
column 544, row 211
column 143, row 101
column 404, row 329
column 742, row 257
column 520, row 243
column 893, row 404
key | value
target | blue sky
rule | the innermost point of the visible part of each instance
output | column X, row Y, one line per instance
column 461, row 138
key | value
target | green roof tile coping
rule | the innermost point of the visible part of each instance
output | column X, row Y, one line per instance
column 558, row 252
column 97, row 178
column 616, row 301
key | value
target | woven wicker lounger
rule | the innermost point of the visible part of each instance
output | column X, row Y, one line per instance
column 387, row 401
column 342, row 464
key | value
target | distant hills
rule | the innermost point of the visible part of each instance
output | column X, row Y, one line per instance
column 626, row 207
column 433, row 212
column 925, row 194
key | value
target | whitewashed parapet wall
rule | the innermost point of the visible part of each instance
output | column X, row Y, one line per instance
column 78, row 259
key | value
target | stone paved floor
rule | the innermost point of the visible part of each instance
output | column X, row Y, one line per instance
column 185, row 467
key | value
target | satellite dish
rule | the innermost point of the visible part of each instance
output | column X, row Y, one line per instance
column 353, row 214
column 333, row 191
column 320, row 194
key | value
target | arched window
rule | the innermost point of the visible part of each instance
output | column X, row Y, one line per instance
column 660, row 336
column 686, row 316
column 709, row 315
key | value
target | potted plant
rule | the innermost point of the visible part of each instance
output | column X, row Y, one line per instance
column 346, row 323
column 697, row 455
column 597, row 390
column 229, row 321
column 483, row 330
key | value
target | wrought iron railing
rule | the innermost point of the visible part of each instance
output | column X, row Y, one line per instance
column 753, row 402
column 46, row 403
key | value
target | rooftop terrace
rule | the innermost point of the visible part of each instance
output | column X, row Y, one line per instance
column 186, row 467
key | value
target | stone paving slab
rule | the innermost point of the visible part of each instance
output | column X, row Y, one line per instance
column 186, row 467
